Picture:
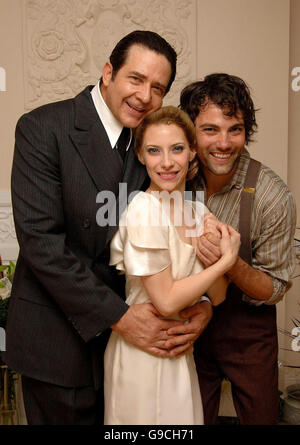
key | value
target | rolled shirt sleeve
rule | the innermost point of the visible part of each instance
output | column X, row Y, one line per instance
column 274, row 250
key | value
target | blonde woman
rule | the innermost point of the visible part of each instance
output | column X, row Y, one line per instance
column 155, row 248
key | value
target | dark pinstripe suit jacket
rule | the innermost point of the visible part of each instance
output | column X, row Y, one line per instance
column 64, row 293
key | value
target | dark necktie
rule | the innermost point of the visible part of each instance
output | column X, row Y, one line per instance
column 123, row 141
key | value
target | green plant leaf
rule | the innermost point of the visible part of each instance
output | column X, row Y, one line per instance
column 11, row 271
column 12, row 267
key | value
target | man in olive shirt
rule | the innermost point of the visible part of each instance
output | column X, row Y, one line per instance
column 240, row 342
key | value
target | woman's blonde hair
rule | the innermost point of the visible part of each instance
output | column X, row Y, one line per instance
column 170, row 115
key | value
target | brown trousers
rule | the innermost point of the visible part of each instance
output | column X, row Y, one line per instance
column 240, row 344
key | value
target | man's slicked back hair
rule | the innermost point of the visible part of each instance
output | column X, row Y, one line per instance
column 148, row 39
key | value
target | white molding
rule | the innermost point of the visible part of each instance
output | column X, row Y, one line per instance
column 5, row 198
column 9, row 248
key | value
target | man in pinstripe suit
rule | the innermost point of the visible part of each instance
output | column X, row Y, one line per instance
column 65, row 297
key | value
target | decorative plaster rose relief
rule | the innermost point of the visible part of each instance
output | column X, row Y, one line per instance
column 66, row 42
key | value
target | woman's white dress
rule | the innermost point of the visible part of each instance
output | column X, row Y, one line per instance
column 141, row 389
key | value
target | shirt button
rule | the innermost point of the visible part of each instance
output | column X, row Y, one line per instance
column 86, row 223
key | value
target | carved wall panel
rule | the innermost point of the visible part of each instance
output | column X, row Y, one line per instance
column 66, row 42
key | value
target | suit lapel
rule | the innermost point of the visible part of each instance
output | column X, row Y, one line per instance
column 103, row 164
column 134, row 172
column 91, row 141
column 134, row 176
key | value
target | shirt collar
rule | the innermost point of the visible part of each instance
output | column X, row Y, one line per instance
column 112, row 126
column 238, row 178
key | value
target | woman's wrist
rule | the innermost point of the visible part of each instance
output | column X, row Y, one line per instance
column 226, row 262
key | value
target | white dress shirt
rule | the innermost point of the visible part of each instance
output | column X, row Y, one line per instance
column 112, row 126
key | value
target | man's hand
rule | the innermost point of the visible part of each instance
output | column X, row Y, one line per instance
column 211, row 223
column 143, row 327
column 208, row 245
column 184, row 335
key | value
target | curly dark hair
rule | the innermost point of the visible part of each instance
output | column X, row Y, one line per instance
column 229, row 92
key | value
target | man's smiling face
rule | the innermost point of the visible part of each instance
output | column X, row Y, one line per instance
column 138, row 87
column 220, row 139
